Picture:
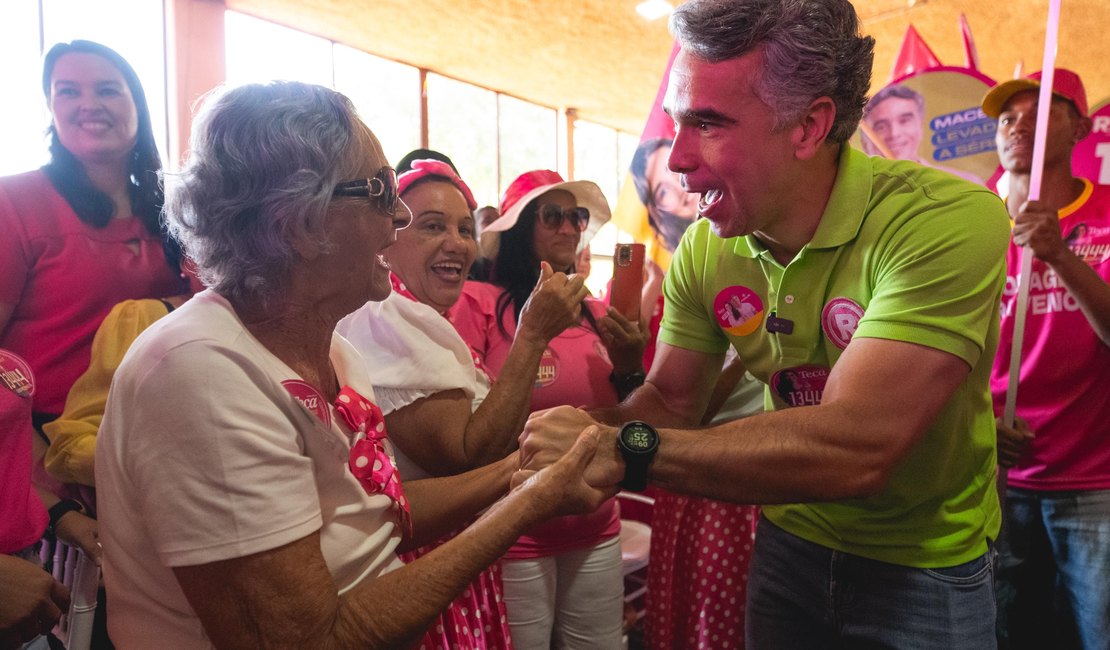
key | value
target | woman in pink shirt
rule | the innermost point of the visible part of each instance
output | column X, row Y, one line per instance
column 563, row 580
column 84, row 232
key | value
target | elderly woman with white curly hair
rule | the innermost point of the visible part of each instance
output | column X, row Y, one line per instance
column 248, row 492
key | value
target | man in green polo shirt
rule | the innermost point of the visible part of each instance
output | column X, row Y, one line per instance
column 865, row 294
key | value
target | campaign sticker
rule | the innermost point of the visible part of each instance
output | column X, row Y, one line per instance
column 839, row 320
column 548, row 370
column 1088, row 243
column 801, row 385
column 739, row 310
column 16, row 374
column 310, row 398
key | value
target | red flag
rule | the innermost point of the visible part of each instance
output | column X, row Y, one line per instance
column 914, row 56
column 971, row 55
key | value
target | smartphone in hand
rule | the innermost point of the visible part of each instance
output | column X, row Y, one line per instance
column 628, row 280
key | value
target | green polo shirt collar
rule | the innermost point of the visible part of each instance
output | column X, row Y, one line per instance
column 850, row 197
column 848, row 202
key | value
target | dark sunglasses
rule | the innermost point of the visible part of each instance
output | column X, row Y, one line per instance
column 552, row 216
column 382, row 187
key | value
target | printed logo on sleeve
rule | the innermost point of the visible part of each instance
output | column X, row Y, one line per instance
column 16, row 374
column 801, row 385
column 739, row 310
column 548, row 371
column 311, row 398
column 1086, row 242
column 839, row 320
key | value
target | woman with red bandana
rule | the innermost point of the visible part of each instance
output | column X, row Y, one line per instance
column 442, row 413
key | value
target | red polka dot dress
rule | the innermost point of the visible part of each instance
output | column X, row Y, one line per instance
column 698, row 573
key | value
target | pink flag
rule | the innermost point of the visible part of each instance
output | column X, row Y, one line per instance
column 971, row 55
column 653, row 207
column 914, row 56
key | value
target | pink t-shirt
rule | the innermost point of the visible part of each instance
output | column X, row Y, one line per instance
column 1062, row 390
column 574, row 371
column 22, row 515
column 63, row 276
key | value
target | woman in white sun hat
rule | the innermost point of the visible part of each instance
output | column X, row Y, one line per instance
column 563, row 580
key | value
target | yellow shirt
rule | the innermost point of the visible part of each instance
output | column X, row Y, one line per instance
column 73, row 435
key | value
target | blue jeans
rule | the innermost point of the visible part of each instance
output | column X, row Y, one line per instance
column 806, row 596
column 1054, row 570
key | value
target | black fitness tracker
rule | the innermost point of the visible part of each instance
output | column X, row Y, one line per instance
column 637, row 441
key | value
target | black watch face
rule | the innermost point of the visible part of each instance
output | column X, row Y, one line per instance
column 638, row 437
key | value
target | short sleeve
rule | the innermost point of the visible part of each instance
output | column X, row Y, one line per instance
column 686, row 323
column 939, row 280
column 223, row 471
column 15, row 255
column 475, row 319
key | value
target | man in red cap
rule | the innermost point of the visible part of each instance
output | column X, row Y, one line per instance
column 1053, row 567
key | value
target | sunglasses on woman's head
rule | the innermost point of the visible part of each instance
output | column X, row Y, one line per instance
column 382, row 187
column 552, row 216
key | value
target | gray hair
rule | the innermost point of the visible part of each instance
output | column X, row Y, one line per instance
column 264, row 161
column 898, row 92
column 811, row 49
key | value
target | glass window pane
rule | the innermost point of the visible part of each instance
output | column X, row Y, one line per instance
column 140, row 39
column 595, row 157
column 259, row 51
column 387, row 96
column 528, row 138
column 462, row 123
column 24, row 109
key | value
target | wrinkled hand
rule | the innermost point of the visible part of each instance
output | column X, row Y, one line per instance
column 81, row 531
column 549, row 434
column 1012, row 441
column 624, row 340
column 31, row 601
column 555, row 304
column 562, row 488
column 1038, row 227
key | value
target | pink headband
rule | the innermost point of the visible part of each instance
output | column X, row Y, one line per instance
column 428, row 167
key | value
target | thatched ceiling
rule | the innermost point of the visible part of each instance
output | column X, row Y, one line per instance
column 601, row 58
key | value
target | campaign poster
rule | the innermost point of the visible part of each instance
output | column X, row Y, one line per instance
column 1091, row 156
column 652, row 206
column 933, row 118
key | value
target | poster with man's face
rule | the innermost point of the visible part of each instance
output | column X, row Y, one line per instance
column 933, row 118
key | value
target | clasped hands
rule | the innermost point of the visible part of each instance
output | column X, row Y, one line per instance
column 549, row 434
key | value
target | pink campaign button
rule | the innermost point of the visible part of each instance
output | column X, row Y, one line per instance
column 310, row 398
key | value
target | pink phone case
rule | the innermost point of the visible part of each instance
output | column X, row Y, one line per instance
column 628, row 279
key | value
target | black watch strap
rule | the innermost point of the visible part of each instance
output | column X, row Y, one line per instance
column 59, row 509
column 637, row 443
column 635, row 477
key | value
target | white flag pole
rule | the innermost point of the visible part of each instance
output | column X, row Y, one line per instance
column 1044, row 104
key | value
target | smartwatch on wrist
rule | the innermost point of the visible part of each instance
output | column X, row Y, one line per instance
column 637, row 442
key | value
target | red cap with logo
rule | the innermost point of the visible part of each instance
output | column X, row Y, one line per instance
column 1065, row 84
